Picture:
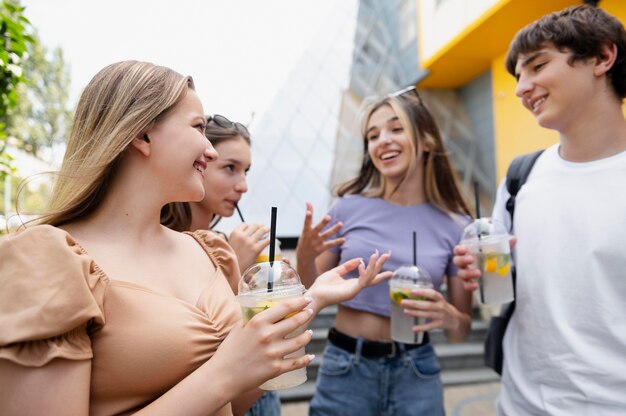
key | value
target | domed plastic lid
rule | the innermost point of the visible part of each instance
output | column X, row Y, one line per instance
column 274, row 279
column 483, row 229
column 411, row 275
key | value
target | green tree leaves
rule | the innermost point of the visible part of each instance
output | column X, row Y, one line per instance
column 14, row 40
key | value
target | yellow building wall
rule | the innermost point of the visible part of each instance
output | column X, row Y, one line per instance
column 515, row 129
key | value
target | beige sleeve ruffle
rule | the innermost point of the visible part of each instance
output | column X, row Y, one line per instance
column 51, row 296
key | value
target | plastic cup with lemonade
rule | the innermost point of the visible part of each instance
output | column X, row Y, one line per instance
column 404, row 280
column 488, row 243
column 255, row 296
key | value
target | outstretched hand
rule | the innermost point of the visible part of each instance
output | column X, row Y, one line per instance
column 313, row 241
column 331, row 288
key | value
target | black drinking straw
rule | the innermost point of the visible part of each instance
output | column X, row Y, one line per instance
column 270, row 277
column 414, row 248
column 415, row 321
column 477, row 198
column 239, row 212
column 480, row 250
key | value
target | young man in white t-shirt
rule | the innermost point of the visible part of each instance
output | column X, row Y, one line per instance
column 565, row 346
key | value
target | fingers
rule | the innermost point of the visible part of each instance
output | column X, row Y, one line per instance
column 308, row 216
column 376, row 263
column 469, row 276
column 347, row 267
column 463, row 261
column 429, row 326
column 323, row 223
column 470, row 286
column 280, row 311
column 370, row 275
column 257, row 231
column 289, row 364
column 241, row 228
column 512, row 241
column 380, row 277
column 460, row 250
column 382, row 260
column 429, row 295
column 334, row 243
column 291, row 344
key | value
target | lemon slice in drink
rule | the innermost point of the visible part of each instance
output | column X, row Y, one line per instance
column 491, row 264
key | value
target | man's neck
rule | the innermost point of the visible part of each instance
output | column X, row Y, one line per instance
column 599, row 135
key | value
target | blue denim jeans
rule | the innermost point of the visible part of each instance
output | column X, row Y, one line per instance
column 407, row 384
column 266, row 405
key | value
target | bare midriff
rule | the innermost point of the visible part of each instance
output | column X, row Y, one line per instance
column 363, row 324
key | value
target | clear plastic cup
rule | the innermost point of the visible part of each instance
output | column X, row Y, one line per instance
column 404, row 280
column 488, row 243
column 254, row 297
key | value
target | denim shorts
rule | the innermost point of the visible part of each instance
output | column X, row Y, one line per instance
column 408, row 383
column 266, row 405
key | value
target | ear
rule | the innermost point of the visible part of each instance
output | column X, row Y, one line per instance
column 142, row 144
column 604, row 62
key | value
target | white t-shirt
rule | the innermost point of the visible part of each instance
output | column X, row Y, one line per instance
column 565, row 347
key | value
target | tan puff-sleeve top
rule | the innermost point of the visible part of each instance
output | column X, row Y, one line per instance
column 55, row 302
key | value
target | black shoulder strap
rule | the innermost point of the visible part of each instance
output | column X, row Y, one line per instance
column 516, row 176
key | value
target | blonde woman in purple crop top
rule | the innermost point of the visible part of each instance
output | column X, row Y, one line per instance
column 406, row 184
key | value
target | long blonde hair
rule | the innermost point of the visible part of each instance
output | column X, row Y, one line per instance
column 440, row 181
column 118, row 105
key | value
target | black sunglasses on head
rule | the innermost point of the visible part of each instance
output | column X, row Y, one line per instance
column 408, row 90
column 223, row 122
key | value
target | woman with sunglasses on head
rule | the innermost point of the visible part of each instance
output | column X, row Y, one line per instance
column 405, row 185
column 225, row 183
column 105, row 311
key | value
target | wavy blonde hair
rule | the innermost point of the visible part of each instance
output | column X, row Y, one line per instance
column 440, row 180
column 118, row 105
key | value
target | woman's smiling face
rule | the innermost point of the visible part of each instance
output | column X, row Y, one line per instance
column 388, row 144
column 225, row 179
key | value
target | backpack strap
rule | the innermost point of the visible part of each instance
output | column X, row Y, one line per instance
column 516, row 176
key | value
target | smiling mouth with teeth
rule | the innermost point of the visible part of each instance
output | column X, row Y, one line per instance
column 389, row 155
column 198, row 167
column 538, row 102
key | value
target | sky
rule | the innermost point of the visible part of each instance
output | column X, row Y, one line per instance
column 239, row 52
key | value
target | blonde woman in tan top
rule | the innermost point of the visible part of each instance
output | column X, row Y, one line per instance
column 105, row 311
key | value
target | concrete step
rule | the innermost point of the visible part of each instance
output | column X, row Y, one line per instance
column 465, row 355
column 305, row 391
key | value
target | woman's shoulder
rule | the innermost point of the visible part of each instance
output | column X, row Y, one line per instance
column 44, row 247
column 218, row 249
column 45, row 274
